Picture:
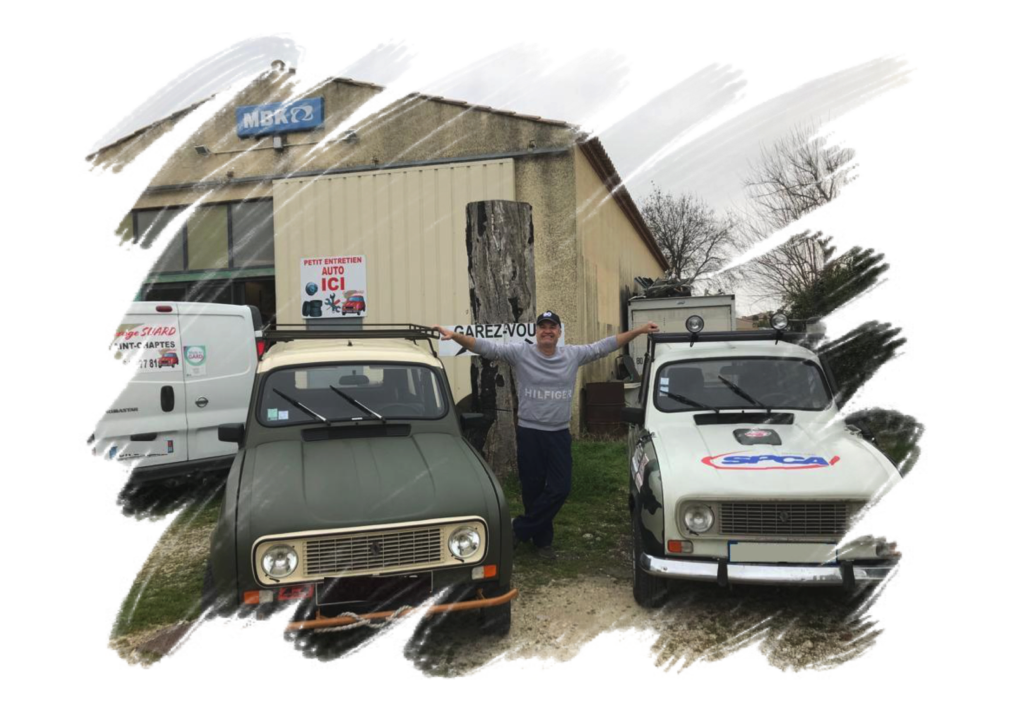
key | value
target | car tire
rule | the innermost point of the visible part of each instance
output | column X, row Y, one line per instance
column 496, row 620
column 649, row 591
column 210, row 610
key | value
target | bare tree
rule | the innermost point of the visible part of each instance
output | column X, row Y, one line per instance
column 693, row 238
column 794, row 176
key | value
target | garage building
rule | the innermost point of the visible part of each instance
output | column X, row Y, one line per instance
column 243, row 207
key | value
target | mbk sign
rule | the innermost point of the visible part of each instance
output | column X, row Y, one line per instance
column 273, row 118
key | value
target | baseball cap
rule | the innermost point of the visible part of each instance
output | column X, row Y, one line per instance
column 549, row 316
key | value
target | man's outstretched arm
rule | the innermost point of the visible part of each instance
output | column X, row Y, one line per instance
column 625, row 338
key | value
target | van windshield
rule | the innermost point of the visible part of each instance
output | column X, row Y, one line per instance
column 396, row 392
column 774, row 382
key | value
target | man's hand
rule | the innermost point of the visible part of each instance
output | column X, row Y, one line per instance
column 626, row 337
column 465, row 340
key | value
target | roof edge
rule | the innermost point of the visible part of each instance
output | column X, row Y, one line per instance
column 599, row 159
column 358, row 84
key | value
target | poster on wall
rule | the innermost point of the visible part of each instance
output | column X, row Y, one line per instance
column 333, row 287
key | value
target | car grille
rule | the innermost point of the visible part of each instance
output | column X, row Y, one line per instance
column 372, row 550
column 784, row 519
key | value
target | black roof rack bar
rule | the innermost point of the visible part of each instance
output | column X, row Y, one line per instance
column 289, row 332
column 754, row 335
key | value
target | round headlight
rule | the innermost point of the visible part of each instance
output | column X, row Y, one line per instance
column 698, row 518
column 464, row 542
column 694, row 324
column 279, row 561
column 779, row 321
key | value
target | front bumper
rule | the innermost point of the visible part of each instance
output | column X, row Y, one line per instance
column 724, row 573
column 474, row 603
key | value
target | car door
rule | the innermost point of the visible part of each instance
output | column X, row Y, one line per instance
column 145, row 424
column 219, row 361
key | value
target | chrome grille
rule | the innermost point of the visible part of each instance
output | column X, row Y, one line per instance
column 372, row 551
column 784, row 518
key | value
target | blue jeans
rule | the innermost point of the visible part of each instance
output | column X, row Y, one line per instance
column 545, row 473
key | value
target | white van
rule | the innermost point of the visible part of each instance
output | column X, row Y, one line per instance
column 195, row 367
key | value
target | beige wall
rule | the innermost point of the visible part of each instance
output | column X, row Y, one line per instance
column 610, row 253
column 411, row 226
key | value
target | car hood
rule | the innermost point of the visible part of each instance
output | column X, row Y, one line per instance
column 298, row 486
column 814, row 459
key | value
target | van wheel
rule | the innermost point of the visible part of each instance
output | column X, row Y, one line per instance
column 496, row 620
column 649, row 591
column 210, row 610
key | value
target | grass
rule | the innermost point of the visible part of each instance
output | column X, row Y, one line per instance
column 168, row 588
column 592, row 529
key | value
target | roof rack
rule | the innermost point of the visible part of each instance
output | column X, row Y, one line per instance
column 292, row 332
column 754, row 335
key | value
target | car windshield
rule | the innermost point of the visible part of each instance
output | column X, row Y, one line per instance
column 393, row 391
column 775, row 382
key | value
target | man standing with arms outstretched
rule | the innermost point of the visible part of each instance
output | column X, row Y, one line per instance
column 545, row 381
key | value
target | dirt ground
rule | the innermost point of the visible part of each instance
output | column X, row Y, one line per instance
column 794, row 628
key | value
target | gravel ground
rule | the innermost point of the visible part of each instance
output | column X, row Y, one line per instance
column 794, row 628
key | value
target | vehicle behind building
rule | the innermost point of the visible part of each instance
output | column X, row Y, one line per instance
column 194, row 369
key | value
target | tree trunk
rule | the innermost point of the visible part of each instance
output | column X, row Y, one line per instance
column 502, row 288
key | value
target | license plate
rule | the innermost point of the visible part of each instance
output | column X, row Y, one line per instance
column 813, row 553
column 374, row 589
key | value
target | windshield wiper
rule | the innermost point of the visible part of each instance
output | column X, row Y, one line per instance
column 302, row 407
column 735, row 388
column 688, row 401
column 359, row 404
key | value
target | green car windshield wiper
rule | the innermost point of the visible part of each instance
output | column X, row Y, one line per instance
column 302, row 407
column 359, row 404
column 735, row 388
column 688, row 401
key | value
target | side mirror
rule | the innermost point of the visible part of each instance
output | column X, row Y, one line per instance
column 473, row 420
column 231, row 432
column 633, row 415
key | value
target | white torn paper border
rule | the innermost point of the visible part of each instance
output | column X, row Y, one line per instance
column 690, row 141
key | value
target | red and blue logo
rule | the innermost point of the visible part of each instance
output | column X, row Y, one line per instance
column 740, row 461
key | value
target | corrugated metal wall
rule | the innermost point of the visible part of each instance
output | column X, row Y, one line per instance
column 409, row 223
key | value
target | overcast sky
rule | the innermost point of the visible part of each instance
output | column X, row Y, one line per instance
column 697, row 132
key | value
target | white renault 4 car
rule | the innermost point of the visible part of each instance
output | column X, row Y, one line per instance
column 742, row 469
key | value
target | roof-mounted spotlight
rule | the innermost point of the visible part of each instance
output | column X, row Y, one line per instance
column 779, row 322
column 202, row 150
column 694, row 325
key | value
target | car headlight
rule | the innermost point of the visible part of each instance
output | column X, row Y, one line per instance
column 279, row 561
column 464, row 542
column 698, row 518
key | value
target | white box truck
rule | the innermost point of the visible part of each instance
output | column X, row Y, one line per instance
column 671, row 313
column 195, row 365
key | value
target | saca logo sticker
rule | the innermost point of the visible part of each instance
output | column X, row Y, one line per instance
column 740, row 461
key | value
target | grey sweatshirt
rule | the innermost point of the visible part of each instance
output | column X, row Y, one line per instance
column 545, row 384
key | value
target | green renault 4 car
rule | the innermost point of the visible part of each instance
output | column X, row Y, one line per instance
column 354, row 491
